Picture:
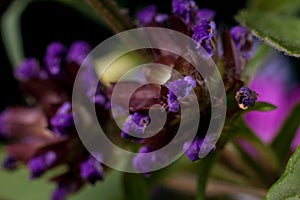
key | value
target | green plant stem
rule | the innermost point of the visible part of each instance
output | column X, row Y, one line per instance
column 205, row 167
column 111, row 15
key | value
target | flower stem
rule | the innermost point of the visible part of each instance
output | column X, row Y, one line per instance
column 111, row 15
column 205, row 166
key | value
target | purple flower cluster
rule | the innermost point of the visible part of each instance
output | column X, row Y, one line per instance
column 46, row 130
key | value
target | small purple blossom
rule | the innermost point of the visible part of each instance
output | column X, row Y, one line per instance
column 29, row 68
column 191, row 149
column 39, row 164
column 63, row 121
column 146, row 15
column 78, row 52
column 179, row 89
column 245, row 97
column 186, row 9
column 10, row 163
column 206, row 14
column 144, row 162
column 91, row 170
column 63, row 190
column 54, row 57
column 204, row 32
column 135, row 125
column 243, row 40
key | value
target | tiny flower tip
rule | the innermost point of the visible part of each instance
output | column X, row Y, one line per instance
column 245, row 97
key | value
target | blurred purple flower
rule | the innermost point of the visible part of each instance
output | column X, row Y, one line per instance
column 54, row 57
column 91, row 170
column 28, row 69
column 135, row 124
column 179, row 89
column 78, row 52
column 9, row 163
column 39, row 164
column 204, row 32
column 144, row 162
column 243, row 40
column 206, row 14
column 191, row 149
column 186, row 9
column 273, row 85
column 62, row 123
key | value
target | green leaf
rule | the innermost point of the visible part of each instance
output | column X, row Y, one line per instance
column 135, row 187
column 283, row 140
column 262, row 106
column 278, row 30
column 288, row 186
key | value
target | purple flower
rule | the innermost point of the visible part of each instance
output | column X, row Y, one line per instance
column 54, row 57
column 29, row 68
column 144, row 162
column 186, row 9
column 243, row 40
column 179, row 89
column 9, row 163
column 272, row 84
column 78, row 52
column 204, row 32
column 91, row 170
column 191, row 149
column 135, row 125
column 63, row 190
column 39, row 164
column 146, row 15
column 63, row 122
column 206, row 14
column 245, row 97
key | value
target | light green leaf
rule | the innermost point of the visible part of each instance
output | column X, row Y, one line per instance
column 110, row 188
column 283, row 140
column 288, row 186
column 278, row 30
column 11, row 31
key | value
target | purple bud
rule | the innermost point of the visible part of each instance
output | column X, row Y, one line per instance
column 54, row 57
column 146, row 15
column 91, row 170
column 63, row 190
column 245, row 97
column 179, row 89
column 144, row 162
column 191, row 149
column 204, row 32
column 78, row 52
column 63, row 122
column 10, row 163
column 243, row 40
column 29, row 68
column 135, row 125
column 186, row 9
column 39, row 164
column 206, row 14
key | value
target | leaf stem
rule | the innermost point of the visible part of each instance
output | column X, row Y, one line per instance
column 205, row 167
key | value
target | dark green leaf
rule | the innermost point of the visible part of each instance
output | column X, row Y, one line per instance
column 262, row 106
column 135, row 187
column 283, row 140
column 278, row 30
column 288, row 186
